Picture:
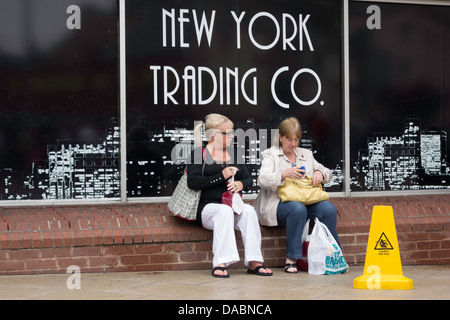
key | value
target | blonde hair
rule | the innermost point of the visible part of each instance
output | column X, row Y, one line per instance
column 287, row 128
column 213, row 122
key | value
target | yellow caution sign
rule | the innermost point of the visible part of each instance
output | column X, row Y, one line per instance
column 383, row 267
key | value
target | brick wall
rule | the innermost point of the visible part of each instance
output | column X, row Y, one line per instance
column 146, row 237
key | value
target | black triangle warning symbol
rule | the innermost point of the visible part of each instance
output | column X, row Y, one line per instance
column 383, row 243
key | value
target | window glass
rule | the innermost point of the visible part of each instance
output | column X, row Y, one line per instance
column 399, row 96
column 59, row 131
column 256, row 62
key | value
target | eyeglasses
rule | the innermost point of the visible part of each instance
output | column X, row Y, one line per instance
column 228, row 134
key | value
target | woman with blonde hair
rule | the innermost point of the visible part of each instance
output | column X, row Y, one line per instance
column 212, row 178
column 285, row 159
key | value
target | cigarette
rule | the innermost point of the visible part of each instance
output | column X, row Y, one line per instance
column 295, row 152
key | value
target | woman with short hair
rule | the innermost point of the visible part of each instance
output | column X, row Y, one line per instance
column 219, row 166
column 285, row 159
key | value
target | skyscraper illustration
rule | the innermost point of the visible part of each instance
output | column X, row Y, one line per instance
column 411, row 159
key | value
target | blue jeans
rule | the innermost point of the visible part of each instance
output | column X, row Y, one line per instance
column 293, row 216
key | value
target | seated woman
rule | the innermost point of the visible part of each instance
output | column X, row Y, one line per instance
column 218, row 167
column 281, row 161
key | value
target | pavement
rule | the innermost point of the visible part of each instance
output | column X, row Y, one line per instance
column 430, row 283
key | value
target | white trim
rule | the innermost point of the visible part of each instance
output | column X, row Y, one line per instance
column 123, row 103
column 123, row 172
column 395, row 193
column 346, row 124
column 430, row 2
column 165, row 199
column 59, row 202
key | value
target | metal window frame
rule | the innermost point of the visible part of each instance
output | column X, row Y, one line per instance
column 346, row 125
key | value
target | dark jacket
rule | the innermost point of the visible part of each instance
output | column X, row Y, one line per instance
column 212, row 182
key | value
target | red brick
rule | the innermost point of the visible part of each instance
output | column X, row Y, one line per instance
column 67, row 238
column 127, row 235
column 418, row 254
column 148, row 249
column 26, row 240
column 118, row 250
column 3, row 226
column 87, row 251
column 102, row 261
column 77, row 237
column 440, row 253
column 23, row 254
column 53, row 252
column 428, row 245
column 134, row 259
column 164, row 258
column 4, row 240
column 137, row 235
column 156, row 234
column 97, row 237
column 40, row 264
column 118, row 236
column 57, row 238
column 445, row 244
column 16, row 240
column 88, row 238
column 11, row 265
column 47, row 239
column 107, row 236
column 64, row 263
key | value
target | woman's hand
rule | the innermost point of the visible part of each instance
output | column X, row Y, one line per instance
column 228, row 172
column 293, row 172
column 317, row 178
column 236, row 186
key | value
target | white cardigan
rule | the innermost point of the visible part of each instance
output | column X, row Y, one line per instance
column 269, row 179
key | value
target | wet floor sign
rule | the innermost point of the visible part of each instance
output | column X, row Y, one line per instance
column 383, row 267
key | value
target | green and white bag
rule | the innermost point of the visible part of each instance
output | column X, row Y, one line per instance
column 324, row 254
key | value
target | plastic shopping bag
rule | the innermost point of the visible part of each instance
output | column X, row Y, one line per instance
column 233, row 199
column 302, row 264
column 324, row 254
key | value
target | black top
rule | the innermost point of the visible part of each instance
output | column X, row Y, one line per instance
column 213, row 184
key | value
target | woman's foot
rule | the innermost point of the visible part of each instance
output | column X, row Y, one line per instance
column 220, row 271
column 291, row 266
column 258, row 269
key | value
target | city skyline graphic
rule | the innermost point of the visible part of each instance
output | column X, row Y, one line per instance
column 89, row 169
column 74, row 169
column 408, row 160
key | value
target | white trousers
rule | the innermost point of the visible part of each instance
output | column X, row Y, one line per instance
column 222, row 220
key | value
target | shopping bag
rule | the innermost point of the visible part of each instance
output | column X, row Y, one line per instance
column 233, row 199
column 184, row 201
column 302, row 264
column 324, row 254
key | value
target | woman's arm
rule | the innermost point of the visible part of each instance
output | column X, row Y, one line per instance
column 269, row 174
column 244, row 176
column 326, row 173
column 196, row 181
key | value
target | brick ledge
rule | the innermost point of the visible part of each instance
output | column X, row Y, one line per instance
column 118, row 234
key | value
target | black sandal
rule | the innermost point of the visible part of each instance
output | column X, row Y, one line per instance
column 220, row 275
column 258, row 273
column 290, row 265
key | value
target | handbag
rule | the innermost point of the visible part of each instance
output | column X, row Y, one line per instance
column 302, row 264
column 184, row 201
column 233, row 199
column 324, row 254
column 302, row 190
